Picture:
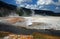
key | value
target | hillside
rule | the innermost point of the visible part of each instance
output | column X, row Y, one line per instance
column 6, row 9
column 6, row 5
column 39, row 12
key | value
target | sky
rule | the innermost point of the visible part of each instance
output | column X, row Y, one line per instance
column 53, row 5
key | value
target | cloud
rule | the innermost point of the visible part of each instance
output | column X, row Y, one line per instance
column 41, row 7
column 40, row 4
column 22, row 1
column 57, row 8
column 57, row 3
column 44, row 2
column 47, row 2
column 32, row 6
column 45, row 9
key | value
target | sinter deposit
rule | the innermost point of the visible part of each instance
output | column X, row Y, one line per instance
column 36, row 22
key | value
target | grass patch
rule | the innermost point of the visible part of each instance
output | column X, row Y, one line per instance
column 35, row 35
column 44, row 36
column 2, row 33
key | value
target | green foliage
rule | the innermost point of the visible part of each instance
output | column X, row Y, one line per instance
column 20, row 12
column 23, row 12
column 28, row 12
column 2, row 14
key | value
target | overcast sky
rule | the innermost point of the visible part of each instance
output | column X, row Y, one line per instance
column 53, row 5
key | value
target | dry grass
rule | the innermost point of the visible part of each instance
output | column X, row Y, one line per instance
column 15, row 36
column 33, row 36
column 44, row 36
column 2, row 33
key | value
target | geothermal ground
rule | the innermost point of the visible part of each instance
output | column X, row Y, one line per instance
column 38, row 22
column 46, row 22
